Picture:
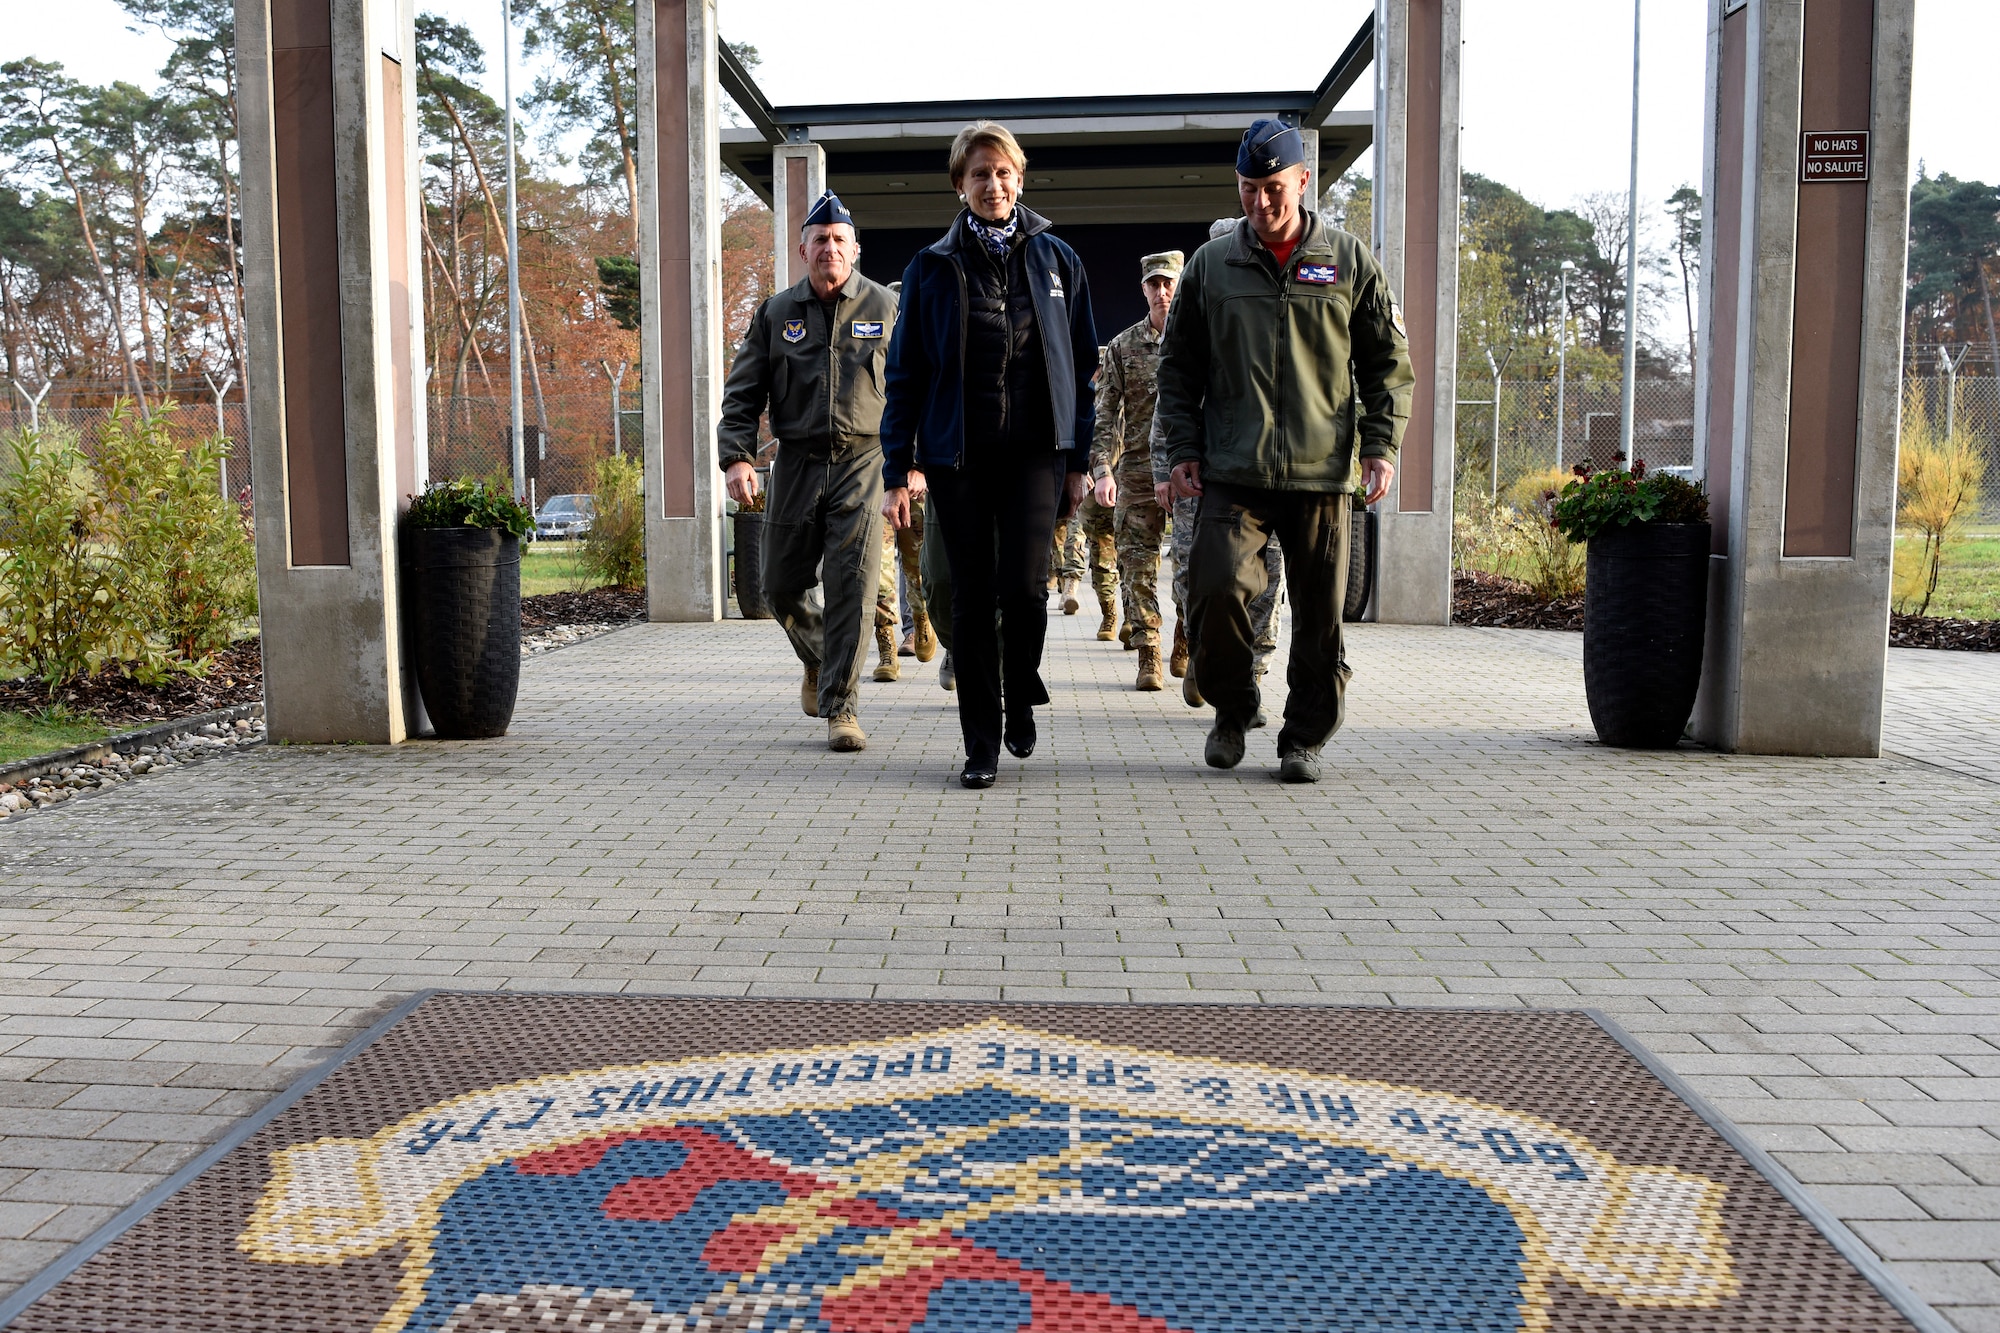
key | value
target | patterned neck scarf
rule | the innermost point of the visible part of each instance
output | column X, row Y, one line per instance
column 996, row 235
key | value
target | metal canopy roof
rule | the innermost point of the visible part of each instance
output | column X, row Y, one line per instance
column 1154, row 158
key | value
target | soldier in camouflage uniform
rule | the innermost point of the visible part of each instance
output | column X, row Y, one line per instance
column 902, row 548
column 1100, row 543
column 1121, row 460
column 1066, row 562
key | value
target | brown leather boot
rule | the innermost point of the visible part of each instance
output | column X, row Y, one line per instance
column 1177, row 663
column 885, row 645
column 1149, row 669
column 1108, row 629
column 809, row 692
column 926, row 644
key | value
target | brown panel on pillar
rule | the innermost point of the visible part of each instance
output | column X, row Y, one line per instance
column 309, row 285
column 1836, row 93
column 796, row 203
column 1420, row 250
column 1727, row 290
column 396, row 170
column 670, row 50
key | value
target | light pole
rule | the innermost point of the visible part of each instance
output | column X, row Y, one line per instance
column 1627, row 394
column 1562, row 354
column 516, row 445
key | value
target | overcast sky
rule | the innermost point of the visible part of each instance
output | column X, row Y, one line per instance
column 1547, row 91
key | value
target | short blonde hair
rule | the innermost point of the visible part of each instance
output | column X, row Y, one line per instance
column 984, row 134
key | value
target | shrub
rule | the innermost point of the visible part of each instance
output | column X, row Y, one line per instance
column 1483, row 534
column 1554, row 565
column 191, row 570
column 1937, row 490
column 1538, row 490
column 615, row 550
column 69, row 606
column 471, row 504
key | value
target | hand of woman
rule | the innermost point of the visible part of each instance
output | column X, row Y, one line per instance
column 1075, row 486
column 896, row 506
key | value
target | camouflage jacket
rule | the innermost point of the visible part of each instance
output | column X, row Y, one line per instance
column 1127, row 383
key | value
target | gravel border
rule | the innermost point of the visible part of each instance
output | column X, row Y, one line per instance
column 50, row 779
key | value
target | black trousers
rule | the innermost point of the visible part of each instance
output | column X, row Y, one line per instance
column 1225, row 574
column 998, row 521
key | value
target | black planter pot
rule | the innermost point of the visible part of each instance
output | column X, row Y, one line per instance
column 1645, row 614
column 750, row 567
column 466, row 591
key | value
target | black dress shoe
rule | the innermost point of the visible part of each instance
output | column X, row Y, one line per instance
column 977, row 774
column 1020, row 734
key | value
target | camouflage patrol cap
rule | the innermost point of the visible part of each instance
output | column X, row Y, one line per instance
column 1166, row 264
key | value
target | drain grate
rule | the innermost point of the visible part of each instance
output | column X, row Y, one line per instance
column 513, row 1162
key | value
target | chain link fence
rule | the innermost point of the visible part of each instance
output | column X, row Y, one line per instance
column 1522, row 439
column 468, row 435
column 1971, row 404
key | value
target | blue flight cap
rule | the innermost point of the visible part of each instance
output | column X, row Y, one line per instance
column 1269, row 146
column 828, row 210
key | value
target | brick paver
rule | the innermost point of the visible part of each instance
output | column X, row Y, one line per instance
column 1812, row 943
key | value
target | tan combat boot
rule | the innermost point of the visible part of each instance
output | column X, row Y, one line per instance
column 1069, row 603
column 844, row 733
column 1108, row 630
column 809, row 692
column 1125, row 636
column 926, row 644
column 885, row 646
column 1177, row 663
column 1149, row 669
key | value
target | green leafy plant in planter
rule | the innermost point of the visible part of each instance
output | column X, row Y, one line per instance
column 1595, row 501
column 471, row 504
column 1645, row 602
column 463, row 560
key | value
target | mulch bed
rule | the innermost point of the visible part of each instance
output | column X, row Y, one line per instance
column 1976, row 636
column 597, row 607
column 1497, row 602
column 238, row 675
column 1492, row 600
column 119, row 701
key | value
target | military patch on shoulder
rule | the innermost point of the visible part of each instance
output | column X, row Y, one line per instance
column 1324, row 274
column 867, row 328
column 795, row 330
column 1396, row 318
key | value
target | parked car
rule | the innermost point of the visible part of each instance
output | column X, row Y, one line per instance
column 565, row 517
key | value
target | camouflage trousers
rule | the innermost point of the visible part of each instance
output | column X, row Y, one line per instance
column 901, row 549
column 1090, row 529
column 1263, row 607
column 1139, row 525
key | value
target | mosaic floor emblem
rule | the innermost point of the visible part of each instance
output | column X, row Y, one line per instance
column 932, row 1168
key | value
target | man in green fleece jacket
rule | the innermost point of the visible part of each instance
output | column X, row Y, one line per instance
column 1281, row 332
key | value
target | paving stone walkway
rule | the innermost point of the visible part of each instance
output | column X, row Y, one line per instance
column 1815, row 944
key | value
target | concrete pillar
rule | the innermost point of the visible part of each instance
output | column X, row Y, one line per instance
column 1416, row 237
column 336, row 378
column 1800, row 379
column 798, row 178
column 680, row 292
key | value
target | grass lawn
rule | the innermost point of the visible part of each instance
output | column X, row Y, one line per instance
column 23, row 736
column 1969, row 584
column 553, row 567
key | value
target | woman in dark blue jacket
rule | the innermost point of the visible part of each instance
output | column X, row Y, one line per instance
column 989, row 410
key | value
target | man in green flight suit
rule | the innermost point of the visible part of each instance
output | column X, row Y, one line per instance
column 1121, row 461
column 814, row 356
column 1278, row 330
